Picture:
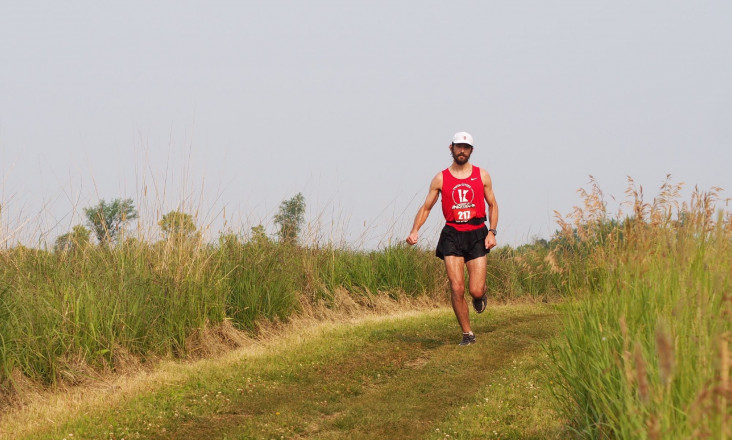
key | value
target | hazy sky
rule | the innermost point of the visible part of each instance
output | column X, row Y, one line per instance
column 225, row 109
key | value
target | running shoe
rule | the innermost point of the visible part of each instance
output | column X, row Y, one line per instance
column 468, row 338
column 479, row 304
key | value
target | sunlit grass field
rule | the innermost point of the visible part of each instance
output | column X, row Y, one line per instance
column 374, row 376
column 65, row 315
column 643, row 350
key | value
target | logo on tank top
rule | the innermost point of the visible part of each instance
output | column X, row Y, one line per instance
column 464, row 208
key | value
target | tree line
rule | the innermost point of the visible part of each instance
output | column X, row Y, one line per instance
column 107, row 221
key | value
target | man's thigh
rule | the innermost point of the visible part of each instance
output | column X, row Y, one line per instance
column 455, row 268
column 477, row 271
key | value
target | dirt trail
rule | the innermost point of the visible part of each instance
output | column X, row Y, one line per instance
column 401, row 381
column 391, row 377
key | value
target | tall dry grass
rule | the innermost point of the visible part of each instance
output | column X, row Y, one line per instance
column 644, row 349
column 69, row 314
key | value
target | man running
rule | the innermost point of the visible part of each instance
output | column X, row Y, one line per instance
column 465, row 240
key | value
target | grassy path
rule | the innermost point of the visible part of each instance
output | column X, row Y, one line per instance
column 401, row 377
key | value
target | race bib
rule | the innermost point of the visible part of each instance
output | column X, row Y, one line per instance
column 462, row 213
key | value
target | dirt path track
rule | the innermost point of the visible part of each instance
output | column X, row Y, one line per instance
column 396, row 380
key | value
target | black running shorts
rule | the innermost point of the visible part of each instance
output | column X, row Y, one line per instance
column 469, row 245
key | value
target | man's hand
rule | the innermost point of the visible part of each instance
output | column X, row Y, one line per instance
column 412, row 239
column 490, row 241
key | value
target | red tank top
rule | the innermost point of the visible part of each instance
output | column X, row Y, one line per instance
column 463, row 200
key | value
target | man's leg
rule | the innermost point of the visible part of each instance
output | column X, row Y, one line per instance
column 456, row 275
column 476, row 276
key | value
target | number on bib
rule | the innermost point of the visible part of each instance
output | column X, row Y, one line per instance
column 463, row 215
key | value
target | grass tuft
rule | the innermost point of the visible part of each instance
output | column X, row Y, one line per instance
column 640, row 349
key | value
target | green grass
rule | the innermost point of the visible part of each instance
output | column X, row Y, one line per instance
column 95, row 305
column 389, row 378
column 639, row 355
column 648, row 316
column 515, row 403
column 65, row 313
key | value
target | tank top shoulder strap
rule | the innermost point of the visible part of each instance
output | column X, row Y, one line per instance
column 476, row 172
column 446, row 176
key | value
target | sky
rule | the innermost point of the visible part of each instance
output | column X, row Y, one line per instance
column 223, row 109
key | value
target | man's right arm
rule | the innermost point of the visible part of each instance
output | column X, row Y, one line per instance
column 424, row 210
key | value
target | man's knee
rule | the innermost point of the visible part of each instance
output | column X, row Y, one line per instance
column 457, row 288
column 477, row 291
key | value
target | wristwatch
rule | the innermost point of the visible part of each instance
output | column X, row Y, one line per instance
column 493, row 231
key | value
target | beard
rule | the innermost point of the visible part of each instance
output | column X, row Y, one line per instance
column 461, row 158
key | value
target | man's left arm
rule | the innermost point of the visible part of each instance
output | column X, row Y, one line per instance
column 491, row 207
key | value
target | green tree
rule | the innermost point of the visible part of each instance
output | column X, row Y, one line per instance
column 290, row 218
column 106, row 220
column 72, row 241
column 178, row 225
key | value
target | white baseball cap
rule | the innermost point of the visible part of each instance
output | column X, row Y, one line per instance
column 462, row 137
